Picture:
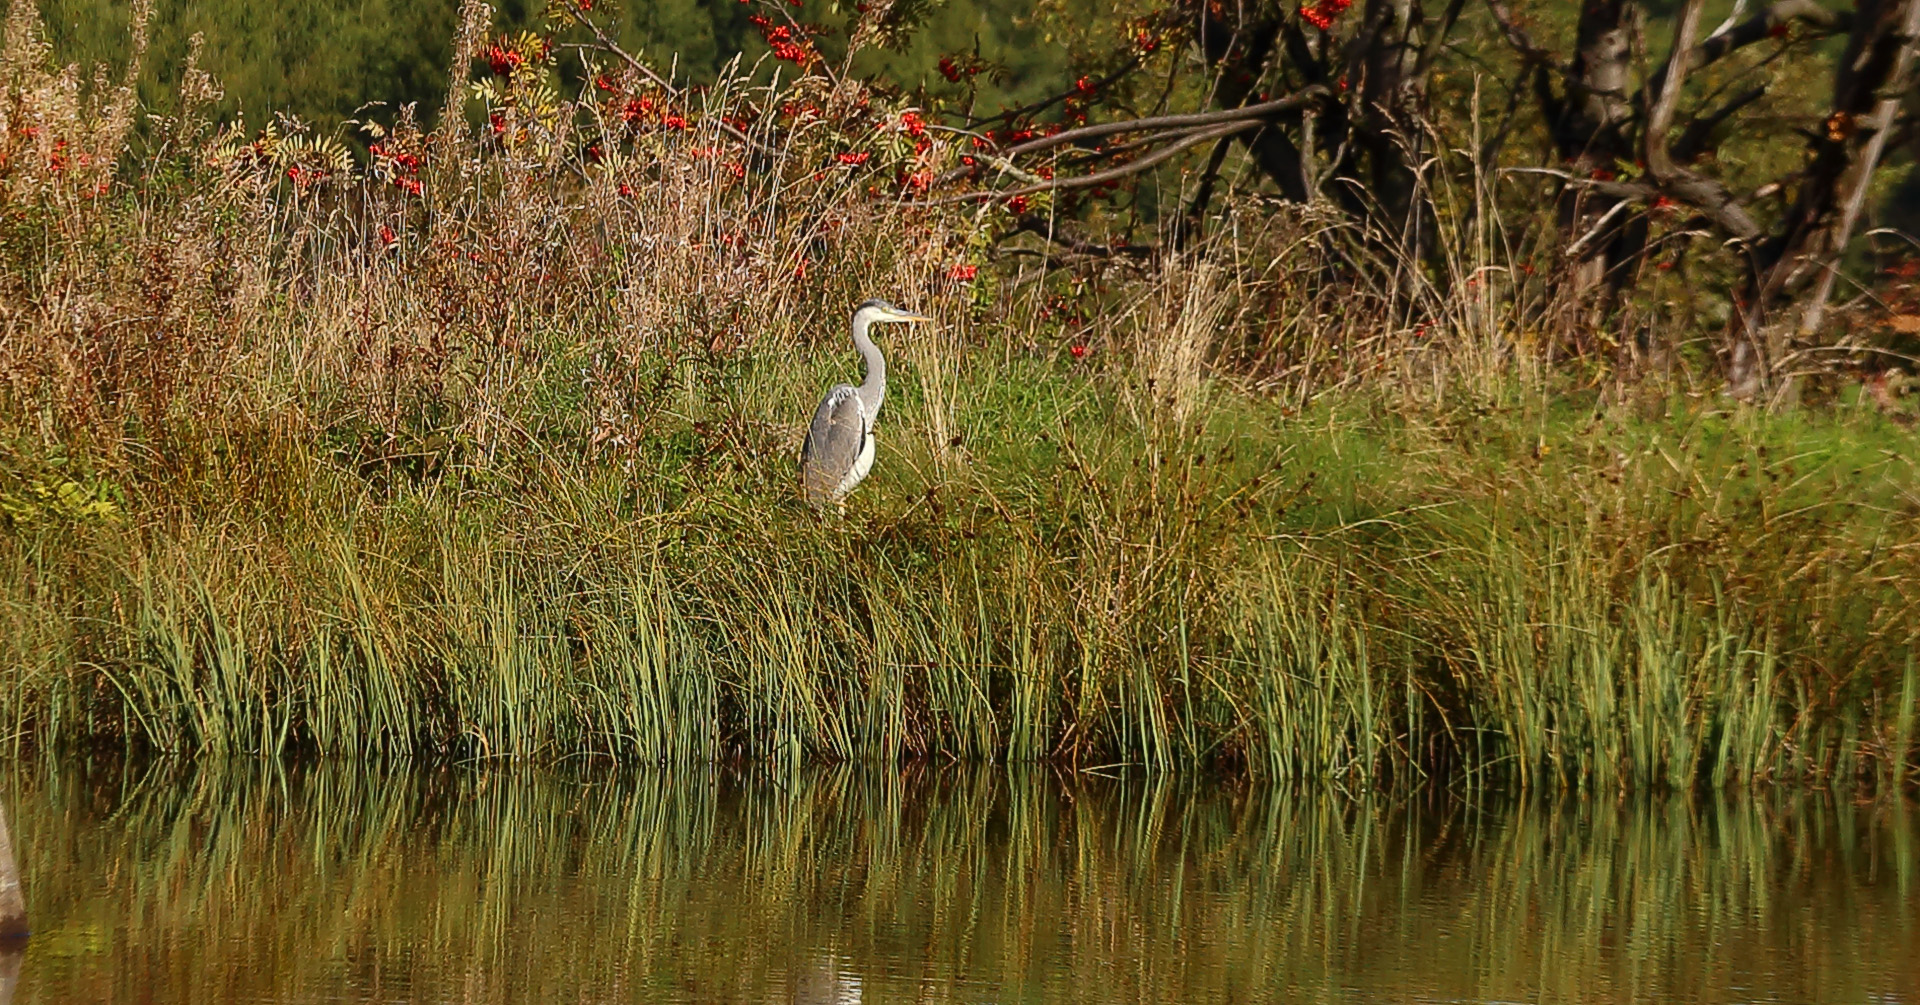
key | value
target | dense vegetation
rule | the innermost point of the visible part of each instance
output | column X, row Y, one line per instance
column 477, row 435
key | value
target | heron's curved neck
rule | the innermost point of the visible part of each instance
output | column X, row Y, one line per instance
column 873, row 390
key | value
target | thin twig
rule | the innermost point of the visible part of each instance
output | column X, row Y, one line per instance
column 1259, row 111
column 608, row 45
column 1518, row 37
column 1045, row 103
column 1102, row 177
column 1617, row 189
column 1160, row 122
column 1035, row 223
column 1574, row 249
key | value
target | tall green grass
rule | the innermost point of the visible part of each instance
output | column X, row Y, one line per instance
column 1353, row 592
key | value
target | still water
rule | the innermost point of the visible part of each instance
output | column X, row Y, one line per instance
column 337, row 884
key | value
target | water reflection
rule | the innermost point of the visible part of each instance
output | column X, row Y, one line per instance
column 827, row 981
column 13, row 924
column 258, row 884
column 9, row 971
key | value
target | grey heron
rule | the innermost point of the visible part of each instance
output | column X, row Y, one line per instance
column 838, row 451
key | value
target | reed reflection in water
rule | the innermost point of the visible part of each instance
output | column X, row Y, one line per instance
column 264, row 884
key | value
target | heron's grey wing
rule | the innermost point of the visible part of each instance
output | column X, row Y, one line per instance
column 833, row 444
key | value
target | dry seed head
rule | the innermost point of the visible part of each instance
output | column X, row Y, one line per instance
column 476, row 16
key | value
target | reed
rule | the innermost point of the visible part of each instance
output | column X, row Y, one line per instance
column 489, row 454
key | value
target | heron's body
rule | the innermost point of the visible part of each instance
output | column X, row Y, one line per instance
column 839, row 448
column 838, row 452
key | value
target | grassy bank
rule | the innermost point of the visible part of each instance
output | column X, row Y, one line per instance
column 1351, row 589
column 487, row 450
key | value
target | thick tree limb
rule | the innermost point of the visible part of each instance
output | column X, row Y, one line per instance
column 1704, row 194
column 1763, row 25
column 1754, row 29
column 1244, row 114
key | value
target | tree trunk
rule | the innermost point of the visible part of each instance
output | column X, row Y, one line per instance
column 1589, row 134
column 1237, row 52
column 1388, row 121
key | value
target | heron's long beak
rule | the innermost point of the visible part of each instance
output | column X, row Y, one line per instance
column 904, row 316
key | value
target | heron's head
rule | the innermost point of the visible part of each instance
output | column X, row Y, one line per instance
column 880, row 310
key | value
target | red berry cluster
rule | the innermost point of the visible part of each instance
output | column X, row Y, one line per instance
column 503, row 59
column 397, row 166
column 1323, row 13
column 635, row 111
column 954, row 69
column 784, row 41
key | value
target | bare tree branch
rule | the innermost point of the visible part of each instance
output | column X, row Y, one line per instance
column 1437, row 40
column 1696, row 190
column 1764, row 24
column 1262, row 110
column 1047, row 227
column 1102, row 177
column 1168, row 123
column 1616, row 189
column 1599, row 228
column 1892, row 90
column 1753, row 29
column 1203, row 194
column 1693, row 142
column 1518, row 38
column 609, row 46
column 1012, row 115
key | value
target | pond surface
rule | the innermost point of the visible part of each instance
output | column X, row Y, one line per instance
column 338, row 884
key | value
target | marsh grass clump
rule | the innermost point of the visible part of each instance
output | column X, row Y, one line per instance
column 482, row 445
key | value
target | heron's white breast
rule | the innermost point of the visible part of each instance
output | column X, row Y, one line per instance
column 861, row 465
